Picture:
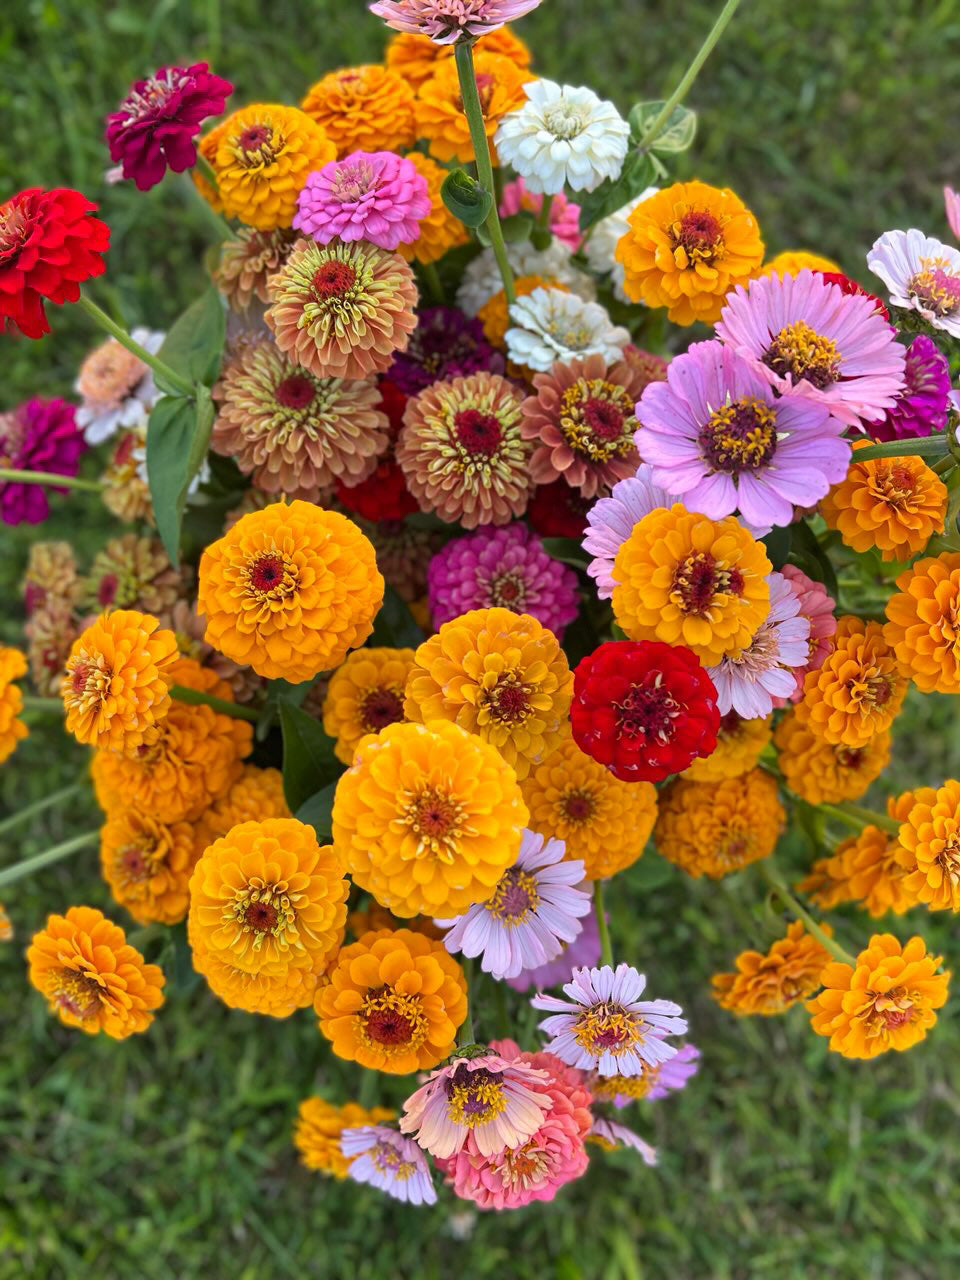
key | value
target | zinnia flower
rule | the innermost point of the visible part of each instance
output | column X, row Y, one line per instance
column 290, row 590
column 583, row 950
column 403, row 556
column 922, row 406
column 156, row 125
column 653, row 1083
column 366, row 108
column 440, row 230
column 557, row 511
column 90, row 976
column 923, row 626
column 686, row 248
column 375, row 196
column 6, row 926
column 116, row 388
column 551, row 325
column 951, row 203
column 49, row 245
column 482, row 279
column 132, row 573
column 126, row 493
column 446, row 344
column 535, row 911
column 247, row 261
column 792, row 261
column 13, row 666
column 716, row 828
column 612, row 520
column 446, row 21
column 276, row 993
column 256, row 795
column 388, row 1161
column 809, row 337
column 716, row 435
column 611, row 1136
column 563, row 137
column 824, row 772
column 440, row 118
column 740, row 743
column 365, row 694
column 930, row 848
column 415, row 57
column 601, row 247
column 858, row 691
column 818, row 608
column 886, row 1000
column 921, row 275
column 564, row 214
column 772, row 983
column 147, row 865
column 41, row 435
column 320, row 1126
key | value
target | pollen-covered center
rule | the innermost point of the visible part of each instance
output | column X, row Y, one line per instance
column 596, row 418
column 506, row 698
column 77, row 994
column 804, row 354
column 526, row 1166
column 260, row 911
column 14, row 225
column 647, row 711
column 256, row 145
column 90, row 679
column 890, row 1010
column 697, row 237
column 435, row 820
column 608, row 1027
column 474, row 1098
column 741, row 436
column 391, row 1022
column 479, row 433
column 895, row 485
column 515, row 897
column 509, row 591
column 936, row 288
column 387, row 1159
column 699, row 579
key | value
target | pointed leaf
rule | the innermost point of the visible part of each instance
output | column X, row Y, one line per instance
column 675, row 134
column 395, row 626
column 317, row 811
column 170, row 433
column 637, row 174
column 194, row 344
column 309, row 763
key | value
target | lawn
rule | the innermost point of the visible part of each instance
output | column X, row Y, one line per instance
column 168, row 1157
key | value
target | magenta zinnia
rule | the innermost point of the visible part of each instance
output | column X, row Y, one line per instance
column 41, row 435
column 923, row 404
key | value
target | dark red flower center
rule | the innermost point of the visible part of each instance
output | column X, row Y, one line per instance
column 699, row 578
column 14, row 222
column 334, row 279
column 296, row 392
column 134, row 863
column 261, row 917
column 849, row 757
column 388, row 1026
column 107, row 591
column 603, row 418
column 267, row 573
column 894, row 1018
column 510, row 701
column 379, row 708
column 81, row 675
column 698, row 233
column 578, row 805
column 507, row 591
column 256, row 137
column 647, row 711
column 479, row 433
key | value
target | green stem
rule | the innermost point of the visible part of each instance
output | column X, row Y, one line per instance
column 652, row 132
column 481, row 146
column 207, row 171
column 543, row 217
column 854, row 816
column 32, row 703
column 776, row 883
column 194, row 698
column 606, row 947
column 25, row 868
column 7, row 474
column 38, row 806
column 169, row 376
column 466, row 1035
column 943, row 466
column 925, row 447
column 432, row 276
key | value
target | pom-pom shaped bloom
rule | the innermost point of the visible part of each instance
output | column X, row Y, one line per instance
column 440, row 118
column 500, row 675
column 923, row 626
column 366, row 108
column 365, row 694
column 262, row 157
column 715, row 828
column 116, row 387
column 428, row 819
column 343, row 310
column 274, row 994
column 257, row 794
column 582, row 418
column 686, row 247
column 462, row 452
column 893, row 504
column 446, row 344
column 49, row 245
column 394, row 1002
column 535, row 911
column 740, row 743
column 604, row 1025
column 563, row 137
column 320, row 1126
column 564, row 214
column 653, row 1083
column 818, row 608
column 687, row 580
column 921, row 275
column 390, row 1162
column 644, row 710
column 156, row 126
column 294, row 432
column 887, row 1000
column 42, row 436
column 440, row 230
column 447, row 21
column 858, row 691
column 375, row 196
column 823, row 772
column 716, row 435
column 116, row 689
column 612, row 520
column 557, row 511
column 247, row 261
column 551, row 325
column 774, row 982
column 506, row 569
column 930, row 848
column 792, row 261
column 289, row 590
column 922, row 406
column 13, row 665
column 147, row 865
column 806, row 336
column 90, row 976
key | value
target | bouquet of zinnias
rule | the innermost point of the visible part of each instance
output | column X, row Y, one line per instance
column 439, row 596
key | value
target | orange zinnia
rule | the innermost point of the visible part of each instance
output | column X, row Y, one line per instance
column 858, row 691
column 774, row 982
column 893, row 504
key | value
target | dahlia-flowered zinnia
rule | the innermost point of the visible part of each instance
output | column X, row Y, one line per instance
column 415, row 57
column 505, row 568
column 365, row 694
column 922, row 406
column 375, row 196
column 364, row 108
column 273, row 994
column 685, row 249
column 611, row 521
column 644, row 710
column 564, row 214
column 921, row 274
column 41, row 435
column 536, row 910
column 653, row 1083
column 388, row 1161
column 823, row 772
column 886, row 1000
column 116, row 388
column 447, row 21
column 923, row 626
column 247, row 261
column 563, row 137
column 550, row 325
column 51, row 574
column 494, row 316
column 808, row 337
column 147, row 865
column 440, row 118
column 131, row 572
column 446, row 344
column 858, row 691
column 819, row 609
column 13, row 665
column 126, row 492
column 440, row 230
column 716, row 435
column 716, row 828
column 90, row 976
column 49, row 632
column 930, row 848
column 320, row 1126
column 740, row 743
column 771, row 983
column 256, row 795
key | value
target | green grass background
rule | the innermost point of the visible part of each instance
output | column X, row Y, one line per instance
column 169, row 1156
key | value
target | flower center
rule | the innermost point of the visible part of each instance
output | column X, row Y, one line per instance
column 597, row 419
column 565, row 119
column 699, row 579
column 77, row 994
column 525, row 1166
column 295, row 392
column 936, row 288
column 255, row 144
column 647, row 711
column 875, row 690
column 697, row 237
column 515, row 897
column 895, row 485
column 849, row 757
column 90, row 681
column 380, row 707
column 392, row 1022
column 475, row 1098
column 508, row 591
column 509, row 699
column 949, row 860
column 14, row 224
column 805, row 354
column 270, row 576
column 388, row 1159
column 353, row 181
column 136, row 864
column 333, row 279
column 891, row 1010
column 436, row 820
column 626, row 1086
column 156, row 91
column 741, row 436
column 479, row 433
column 578, row 806
column 608, row 1027
column 263, row 911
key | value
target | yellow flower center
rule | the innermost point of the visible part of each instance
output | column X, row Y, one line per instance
column 256, row 147
column 391, row 1023
column 805, row 354
column 936, row 287
column 437, row 821
column 475, row 1098
column 90, row 680
column 608, row 1028
column 389, row 1160
column 597, row 419
column 626, row 1086
column 741, row 436
column 77, row 994
column 525, row 1166
column 514, row 897
column 894, row 485
column 948, row 859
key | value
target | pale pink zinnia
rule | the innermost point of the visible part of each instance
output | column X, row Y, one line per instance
column 612, row 1135
column 369, row 195
column 497, row 1103
column 446, row 21
column 951, row 200
column 564, row 214
column 819, row 608
column 921, row 274
column 611, row 521
column 660, row 1082
column 389, row 1161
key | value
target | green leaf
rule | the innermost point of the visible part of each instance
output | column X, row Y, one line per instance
column 317, row 811
column 180, row 971
column 807, row 553
column 171, row 433
column 637, row 174
column 568, row 550
column 309, row 763
column 465, row 198
column 395, row 626
column 777, row 543
column 194, row 344
column 925, row 447
column 674, row 135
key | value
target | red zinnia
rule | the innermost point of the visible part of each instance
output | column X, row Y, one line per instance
column 644, row 710
column 157, row 123
column 851, row 287
column 48, row 246
column 384, row 495
column 557, row 511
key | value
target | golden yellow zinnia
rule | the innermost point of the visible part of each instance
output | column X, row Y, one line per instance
column 415, row 57
column 858, row 691
column 440, row 117
column 319, row 1126
column 825, row 772
column 13, row 665
column 714, row 829
column 930, row 847
column 792, row 261
column 147, row 865
column 366, row 108
column 365, row 694
column 923, row 626
column 740, row 743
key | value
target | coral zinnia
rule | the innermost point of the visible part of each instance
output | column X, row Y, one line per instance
column 365, row 694
column 290, row 590
column 447, row 21
column 644, row 710
column 116, row 688
column 686, row 247
column 774, row 982
column 858, row 691
column 740, row 743
column 366, row 108
column 320, row 1126
column 13, row 665
column 375, row 196
column 342, row 310
column 497, row 674
column 886, row 1000
column 394, row 1002
column 147, row 865
column 715, row 828
column 922, row 406
column 91, row 978
column 440, row 230
column 823, row 772
column 923, row 625
column 440, row 117
column 49, row 245
column 428, row 819
column 930, row 848
column 247, row 261
column 41, row 435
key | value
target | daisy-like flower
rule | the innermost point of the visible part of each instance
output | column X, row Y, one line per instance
column 375, row 196
column 922, row 406
column 482, row 280
column 921, row 274
column 715, row 434
column 820, row 611
column 446, row 344
column 771, row 983
column 365, row 108
column 612, row 1136
column 41, row 435
column 605, row 1026
column 247, row 261
column 749, row 680
column 823, row 772
column 440, row 118
column 447, row 21
column 13, row 666
column 583, row 950
column 564, row 214
column 653, row 1083
column 809, row 337
column 951, row 202
column 563, row 137
column 535, row 911
column 601, row 247
column 320, row 1126
column 922, row 624
column 717, row 828
column 611, row 521
column 550, row 325
column 116, row 388
column 388, row 1161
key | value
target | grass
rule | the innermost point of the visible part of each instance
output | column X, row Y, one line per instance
column 169, row 1157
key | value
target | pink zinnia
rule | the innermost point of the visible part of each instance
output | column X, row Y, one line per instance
column 613, row 1135
column 369, row 195
column 924, row 402
column 564, row 214
column 809, row 337
column 446, row 21
column 42, row 435
column 611, row 521
column 819, row 609
column 390, row 1162
column 951, row 202
column 156, row 125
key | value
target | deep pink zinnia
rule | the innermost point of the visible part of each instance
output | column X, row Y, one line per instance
column 564, row 214
column 446, row 21
column 157, row 123
column 923, row 404
column 369, row 195
column 42, row 435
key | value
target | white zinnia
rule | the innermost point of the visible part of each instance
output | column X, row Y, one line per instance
column 550, row 325
column 563, row 136
column 922, row 274
column 601, row 247
column 482, row 280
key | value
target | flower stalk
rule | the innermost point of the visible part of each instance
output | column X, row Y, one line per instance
column 169, row 376
column 776, row 883
column 9, row 875
column 194, row 698
column 9, row 475
column 466, row 1035
column 39, row 806
column 606, row 946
